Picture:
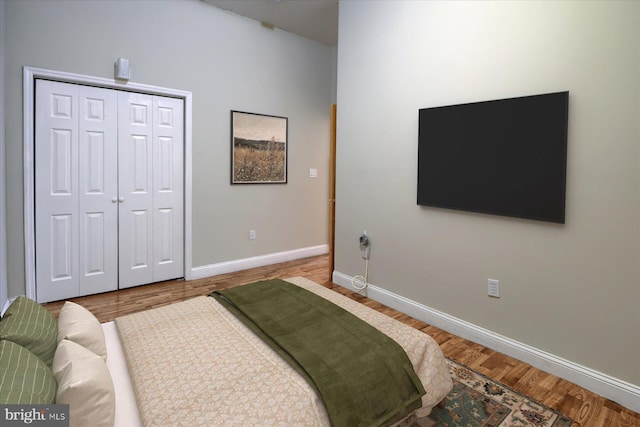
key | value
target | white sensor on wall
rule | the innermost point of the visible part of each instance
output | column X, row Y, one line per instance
column 122, row 69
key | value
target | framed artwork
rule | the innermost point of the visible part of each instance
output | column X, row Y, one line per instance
column 258, row 148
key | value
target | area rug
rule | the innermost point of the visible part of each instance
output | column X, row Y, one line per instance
column 477, row 401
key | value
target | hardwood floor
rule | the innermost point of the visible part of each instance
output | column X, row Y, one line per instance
column 586, row 408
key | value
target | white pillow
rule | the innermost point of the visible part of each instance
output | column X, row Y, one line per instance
column 85, row 385
column 77, row 324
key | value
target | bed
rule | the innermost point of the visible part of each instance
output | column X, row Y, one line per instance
column 194, row 363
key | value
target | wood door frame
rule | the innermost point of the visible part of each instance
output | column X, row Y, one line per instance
column 30, row 74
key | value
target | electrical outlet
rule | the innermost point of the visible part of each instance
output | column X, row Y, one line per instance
column 493, row 288
column 252, row 234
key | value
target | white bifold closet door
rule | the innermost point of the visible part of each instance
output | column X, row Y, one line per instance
column 109, row 189
column 150, row 183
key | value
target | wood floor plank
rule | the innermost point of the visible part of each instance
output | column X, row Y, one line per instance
column 586, row 408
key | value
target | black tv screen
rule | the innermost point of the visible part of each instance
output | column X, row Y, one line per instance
column 504, row 157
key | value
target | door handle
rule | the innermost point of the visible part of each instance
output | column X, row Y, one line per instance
column 117, row 199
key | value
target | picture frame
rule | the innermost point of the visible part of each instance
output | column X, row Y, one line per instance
column 259, row 148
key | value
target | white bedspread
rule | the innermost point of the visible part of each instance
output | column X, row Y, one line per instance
column 193, row 363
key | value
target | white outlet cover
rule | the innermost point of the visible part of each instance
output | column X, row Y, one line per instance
column 313, row 173
column 493, row 288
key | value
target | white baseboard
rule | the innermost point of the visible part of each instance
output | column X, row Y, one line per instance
column 617, row 390
column 257, row 261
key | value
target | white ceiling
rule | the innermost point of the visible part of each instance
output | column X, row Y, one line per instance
column 313, row 19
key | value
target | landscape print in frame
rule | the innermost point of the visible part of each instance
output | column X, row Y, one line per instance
column 258, row 148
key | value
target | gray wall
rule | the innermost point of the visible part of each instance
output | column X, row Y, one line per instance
column 571, row 290
column 229, row 63
column 3, row 224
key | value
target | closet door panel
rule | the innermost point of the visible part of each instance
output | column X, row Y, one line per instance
column 56, row 192
column 135, row 188
column 168, row 184
column 98, row 168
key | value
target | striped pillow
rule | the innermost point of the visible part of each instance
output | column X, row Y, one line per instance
column 24, row 378
column 30, row 325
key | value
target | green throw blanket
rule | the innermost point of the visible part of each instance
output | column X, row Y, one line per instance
column 363, row 377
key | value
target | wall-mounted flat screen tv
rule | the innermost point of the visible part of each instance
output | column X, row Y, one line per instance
column 504, row 157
